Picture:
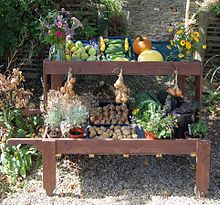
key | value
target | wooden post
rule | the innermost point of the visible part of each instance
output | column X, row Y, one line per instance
column 49, row 165
column 181, row 82
column 56, row 82
column 187, row 14
column 198, row 88
column 202, row 167
column 202, row 28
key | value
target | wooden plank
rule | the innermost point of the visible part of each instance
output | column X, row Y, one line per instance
column 202, row 167
column 49, row 165
column 130, row 68
column 128, row 146
column 37, row 142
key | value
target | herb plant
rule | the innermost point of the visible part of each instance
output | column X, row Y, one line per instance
column 199, row 128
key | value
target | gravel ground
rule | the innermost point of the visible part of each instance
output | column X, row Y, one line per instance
column 115, row 180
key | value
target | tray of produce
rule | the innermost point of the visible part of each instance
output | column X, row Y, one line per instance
column 82, row 50
column 110, row 114
column 117, row 48
column 112, row 132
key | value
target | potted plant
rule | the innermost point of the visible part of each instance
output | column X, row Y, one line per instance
column 197, row 130
column 53, row 116
column 74, row 117
column 154, row 122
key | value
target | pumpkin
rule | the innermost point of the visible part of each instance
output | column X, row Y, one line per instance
column 141, row 44
column 150, row 55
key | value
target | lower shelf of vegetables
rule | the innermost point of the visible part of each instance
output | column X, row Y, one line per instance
column 165, row 115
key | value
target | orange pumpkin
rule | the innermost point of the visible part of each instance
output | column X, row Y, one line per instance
column 141, row 43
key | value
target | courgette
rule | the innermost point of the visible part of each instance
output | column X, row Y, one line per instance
column 116, row 41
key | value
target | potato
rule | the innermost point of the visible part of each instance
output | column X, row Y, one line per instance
column 117, row 127
column 105, row 114
column 112, row 127
column 91, row 129
column 102, row 121
column 111, row 117
column 124, row 136
column 126, row 131
column 92, row 134
column 111, row 112
column 100, row 132
column 120, row 136
column 96, row 122
column 120, row 122
column 104, row 136
column 129, row 136
column 123, row 107
column 118, row 131
column 127, row 122
column 108, row 121
column 115, row 136
column 103, row 128
column 134, row 136
column 114, row 121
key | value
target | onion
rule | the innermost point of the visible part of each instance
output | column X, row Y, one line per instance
column 178, row 92
column 63, row 90
column 171, row 91
column 72, row 80
column 69, row 86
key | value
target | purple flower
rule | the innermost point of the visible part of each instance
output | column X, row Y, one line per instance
column 68, row 37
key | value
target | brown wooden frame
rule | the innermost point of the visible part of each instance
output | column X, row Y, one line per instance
column 58, row 68
column 49, row 147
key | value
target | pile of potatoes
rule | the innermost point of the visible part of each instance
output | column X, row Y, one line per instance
column 114, row 132
column 110, row 114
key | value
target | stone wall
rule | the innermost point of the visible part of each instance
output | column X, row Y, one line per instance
column 154, row 17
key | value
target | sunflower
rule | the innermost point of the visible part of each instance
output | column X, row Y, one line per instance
column 188, row 45
column 196, row 34
column 179, row 32
column 180, row 55
column 195, row 39
column 204, row 46
column 171, row 42
column 182, row 42
column 169, row 47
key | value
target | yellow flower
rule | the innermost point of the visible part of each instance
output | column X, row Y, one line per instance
column 169, row 47
column 204, row 46
column 180, row 55
column 196, row 34
column 135, row 111
column 179, row 32
column 182, row 42
column 188, row 45
column 171, row 42
column 196, row 39
column 170, row 30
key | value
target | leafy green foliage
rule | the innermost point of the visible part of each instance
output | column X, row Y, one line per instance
column 211, row 99
column 215, row 9
column 16, row 125
column 19, row 18
column 199, row 128
column 150, row 116
column 16, row 161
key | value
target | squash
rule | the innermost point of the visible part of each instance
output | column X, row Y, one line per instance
column 150, row 55
column 141, row 44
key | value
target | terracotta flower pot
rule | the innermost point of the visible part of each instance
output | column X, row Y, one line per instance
column 150, row 136
column 76, row 133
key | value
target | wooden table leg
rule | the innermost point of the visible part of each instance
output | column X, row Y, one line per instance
column 56, row 82
column 181, row 82
column 202, row 168
column 198, row 88
column 49, row 165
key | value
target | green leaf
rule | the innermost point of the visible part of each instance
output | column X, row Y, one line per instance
column 21, row 133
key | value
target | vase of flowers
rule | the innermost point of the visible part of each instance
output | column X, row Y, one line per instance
column 57, row 28
column 186, row 41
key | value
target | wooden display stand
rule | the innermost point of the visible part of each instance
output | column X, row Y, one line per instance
column 50, row 147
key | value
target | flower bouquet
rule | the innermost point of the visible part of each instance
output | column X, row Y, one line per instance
column 186, row 42
column 57, row 28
